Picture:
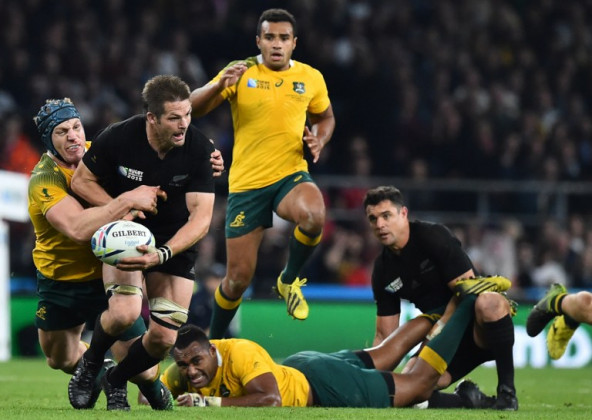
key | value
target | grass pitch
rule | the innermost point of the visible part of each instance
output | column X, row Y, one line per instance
column 31, row 390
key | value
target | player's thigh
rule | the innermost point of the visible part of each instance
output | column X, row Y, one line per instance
column 61, row 344
column 303, row 204
column 176, row 289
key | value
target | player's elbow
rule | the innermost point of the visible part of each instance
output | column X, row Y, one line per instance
column 273, row 399
column 79, row 235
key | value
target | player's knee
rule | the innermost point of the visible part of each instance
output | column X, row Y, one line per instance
column 125, row 305
column 491, row 306
column 312, row 219
column 166, row 317
column 65, row 365
column 160, row 340
column 237, row 281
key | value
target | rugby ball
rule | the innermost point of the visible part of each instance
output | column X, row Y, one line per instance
column 119, row 239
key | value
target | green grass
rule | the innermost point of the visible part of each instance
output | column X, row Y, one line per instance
column 31, row 390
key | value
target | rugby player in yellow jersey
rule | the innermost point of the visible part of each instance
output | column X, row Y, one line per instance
column 69, row 283
column 271, row 96
column 239, row 372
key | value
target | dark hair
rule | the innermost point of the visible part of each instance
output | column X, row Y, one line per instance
column 190, row 333
column 382, row 193
column 161, row 89
column 276, row 15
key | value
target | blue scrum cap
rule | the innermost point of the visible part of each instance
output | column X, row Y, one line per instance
column 54, row 112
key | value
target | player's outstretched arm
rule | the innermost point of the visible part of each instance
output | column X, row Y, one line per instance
column 261, row 391
column 208, row 97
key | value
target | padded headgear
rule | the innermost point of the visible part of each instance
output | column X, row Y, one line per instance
column 54, row 112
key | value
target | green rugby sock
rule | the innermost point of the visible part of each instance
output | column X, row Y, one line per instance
column 439, row 351
column 301, row 246
column 223, row 312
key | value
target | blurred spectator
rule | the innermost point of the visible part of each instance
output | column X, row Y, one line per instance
column 426, row 90
column 17, row 153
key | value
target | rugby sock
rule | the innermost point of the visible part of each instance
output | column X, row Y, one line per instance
column 570, row 322
column 223, row 311
column 99, row 344
column 151, row 389
column 439, row 351
column 301, row 246
column 445, row 400
column 556, row 303
column 499, row 336
column 136, row 361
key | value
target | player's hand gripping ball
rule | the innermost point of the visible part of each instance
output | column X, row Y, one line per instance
column 117, row 240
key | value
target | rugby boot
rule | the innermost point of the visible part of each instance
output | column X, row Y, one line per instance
column 83, row 388
column 506, row 399
column 558, row 337
column 545, row 310
column 472, row 396
column 159, row 396
column 478, row 285
column 116, row 396
column 291, row 293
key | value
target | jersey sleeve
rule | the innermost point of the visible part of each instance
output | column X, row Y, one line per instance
column 447, row 251
column 202, row 179
column 172, row 379
column 250, row 361
column 387, row 302
column 46, row 190
column 320, row 101
column 97, row 157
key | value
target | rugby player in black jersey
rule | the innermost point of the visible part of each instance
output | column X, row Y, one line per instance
column 159, row 148
column 424, row 263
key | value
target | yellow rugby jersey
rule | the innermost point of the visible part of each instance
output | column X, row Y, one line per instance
column 240, row 361
column 55, row 255
column 269, row 114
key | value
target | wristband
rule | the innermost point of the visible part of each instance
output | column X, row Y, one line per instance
column 201, row 401
column 213, row 401
column 165, row 253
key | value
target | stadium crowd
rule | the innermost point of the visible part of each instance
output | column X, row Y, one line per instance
column 468, row 89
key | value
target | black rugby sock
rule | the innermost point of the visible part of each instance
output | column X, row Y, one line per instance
column 99, row 344
column 136, row 361
column 499, row 336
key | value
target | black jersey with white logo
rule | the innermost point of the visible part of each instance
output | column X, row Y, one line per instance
column 122, row 159
column 421, row 271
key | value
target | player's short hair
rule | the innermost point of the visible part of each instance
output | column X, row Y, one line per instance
column 382, row 193
column 190, row 333
column 161, row 89
column 276, row 15
column 52, row 114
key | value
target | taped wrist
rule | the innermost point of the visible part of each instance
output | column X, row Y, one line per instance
column 436, row 329
column 165, row 253
column 201, row 401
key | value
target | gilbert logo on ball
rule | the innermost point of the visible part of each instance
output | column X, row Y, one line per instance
column 117, row 240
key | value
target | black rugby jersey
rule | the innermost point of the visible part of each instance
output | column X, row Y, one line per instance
column 431, row 259
column 122, row 159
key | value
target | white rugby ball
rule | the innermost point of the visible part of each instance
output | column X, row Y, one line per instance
column 119, row 239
